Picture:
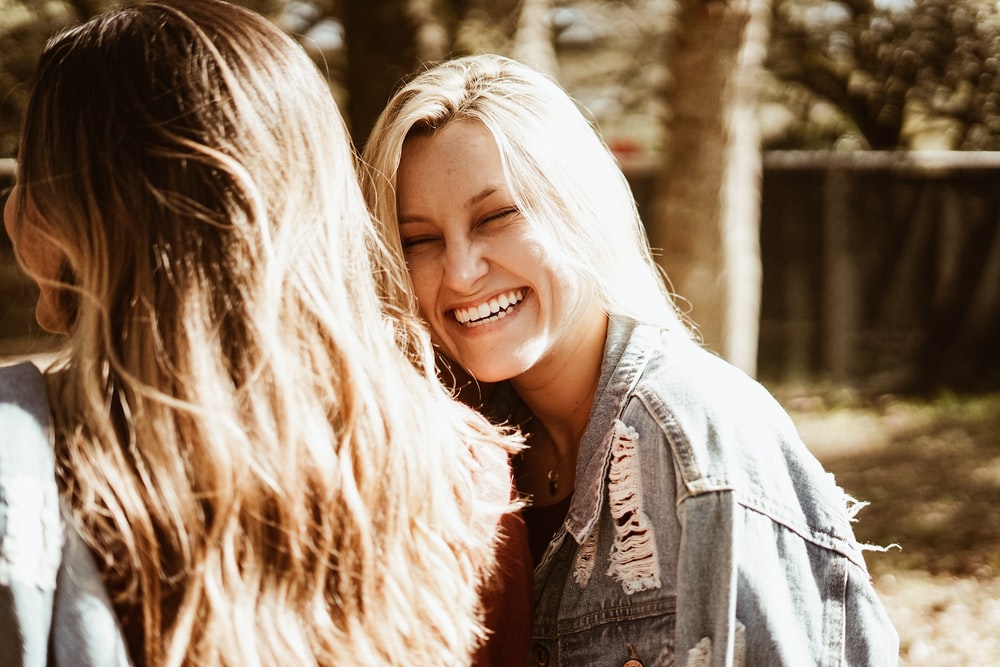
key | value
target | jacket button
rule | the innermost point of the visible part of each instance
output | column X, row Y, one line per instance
column 540, row 654
column 633, row 660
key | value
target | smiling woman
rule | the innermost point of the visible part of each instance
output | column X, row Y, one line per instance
column 496, row 290
column 676, row 517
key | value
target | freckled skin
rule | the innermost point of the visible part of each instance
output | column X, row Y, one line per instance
column 467, row 243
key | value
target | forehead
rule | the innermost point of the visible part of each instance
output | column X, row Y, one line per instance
column 456, row 143
column 460, row 159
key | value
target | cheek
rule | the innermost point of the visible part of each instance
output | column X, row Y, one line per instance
column 49, row 312
column 569, row 289
column 38, row 255
column 422, row 277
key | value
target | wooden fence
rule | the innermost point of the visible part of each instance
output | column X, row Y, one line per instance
column 880, row 270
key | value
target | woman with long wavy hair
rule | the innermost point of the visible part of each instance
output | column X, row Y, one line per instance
column 255, row 462
column 676, row 517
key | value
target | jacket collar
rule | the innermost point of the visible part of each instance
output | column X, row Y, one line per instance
column 626, row 352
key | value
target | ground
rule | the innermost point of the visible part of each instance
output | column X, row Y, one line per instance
column 931, row 471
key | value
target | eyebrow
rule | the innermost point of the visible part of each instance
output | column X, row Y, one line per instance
column 471, row 201
column 483, row 194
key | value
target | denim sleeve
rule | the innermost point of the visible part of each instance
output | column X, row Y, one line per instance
column 85, row 630
column 706, row 583
column 869, row 636
column 751, row 591
column 31, row 530
column 54, row 609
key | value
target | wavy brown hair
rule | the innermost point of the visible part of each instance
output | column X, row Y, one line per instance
column 254, row 447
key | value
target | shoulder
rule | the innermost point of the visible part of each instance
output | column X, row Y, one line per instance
column 22, row 387
column 687, row 384
column 727, row 433
column 30, row 522
column 24, row 422
column 692, row 392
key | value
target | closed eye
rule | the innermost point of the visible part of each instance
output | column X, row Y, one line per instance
column 416, row 242
column 500, row 215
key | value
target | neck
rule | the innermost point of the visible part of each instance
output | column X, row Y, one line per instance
column 559, row 394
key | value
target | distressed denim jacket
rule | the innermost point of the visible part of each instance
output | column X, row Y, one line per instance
column 701, row 531
column 54, row 609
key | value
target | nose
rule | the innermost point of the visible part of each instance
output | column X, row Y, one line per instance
column 465, row 266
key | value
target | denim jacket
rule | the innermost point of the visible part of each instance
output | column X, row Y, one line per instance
column 701, row 531
column 54, row 609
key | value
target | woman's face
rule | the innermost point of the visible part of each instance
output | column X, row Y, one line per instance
column 40, row 257
column 494, row 286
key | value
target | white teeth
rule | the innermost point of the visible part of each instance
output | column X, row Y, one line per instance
column 489, row 311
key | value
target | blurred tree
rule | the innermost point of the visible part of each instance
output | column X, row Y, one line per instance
column 533, row 43
column 24, row 28
column 852, row 73
column 386, row 41
column 905, row 73
column 706, row 211
column 389, row 40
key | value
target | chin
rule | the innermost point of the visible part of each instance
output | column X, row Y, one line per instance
column 493, row 372
column 490, row 378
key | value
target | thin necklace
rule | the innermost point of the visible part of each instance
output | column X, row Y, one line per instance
column 553, row 478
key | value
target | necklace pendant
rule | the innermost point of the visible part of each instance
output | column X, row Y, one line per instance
column 553, row 478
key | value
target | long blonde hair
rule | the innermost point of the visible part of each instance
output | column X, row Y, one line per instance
column 265, row 476
column 559, row 170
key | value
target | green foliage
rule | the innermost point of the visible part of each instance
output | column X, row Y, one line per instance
column 882, row 74
column 887, row 74
column 25, row 25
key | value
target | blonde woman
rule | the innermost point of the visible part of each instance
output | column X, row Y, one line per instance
column 254, row 462
column 676, row 516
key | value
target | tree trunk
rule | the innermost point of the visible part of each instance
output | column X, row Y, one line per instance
column 706, row 215
column 381, row 50
column 842, row 280
column 533, row 41
column 387, row 41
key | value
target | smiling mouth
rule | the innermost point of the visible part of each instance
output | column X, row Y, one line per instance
column 496, row 308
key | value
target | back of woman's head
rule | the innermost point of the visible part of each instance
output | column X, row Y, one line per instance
column 559, row 170
column 263, row 474
column 174, row 141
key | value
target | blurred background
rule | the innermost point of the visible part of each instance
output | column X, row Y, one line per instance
column 821, row 182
